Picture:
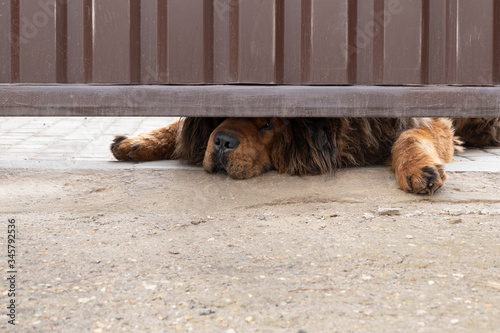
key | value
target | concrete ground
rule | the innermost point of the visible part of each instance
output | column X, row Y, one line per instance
column 105, row 246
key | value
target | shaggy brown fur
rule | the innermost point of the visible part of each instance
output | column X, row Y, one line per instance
column 478, row 132
column 247, row 147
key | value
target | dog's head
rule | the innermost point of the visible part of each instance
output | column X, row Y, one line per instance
column 247, row 147
column 242, row 147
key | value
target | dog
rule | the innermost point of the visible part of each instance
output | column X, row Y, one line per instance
column 415, row 148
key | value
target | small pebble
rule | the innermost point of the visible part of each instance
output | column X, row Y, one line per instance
column 409, row 236
column 207, row 312
column 454, row 321
column 368, row 216
column 389, row 211
column 84, row 300
column 173, row 252
column 302, row 331
column 421, row 312
column 230, row 331
column 456, row 221
column 248, row 319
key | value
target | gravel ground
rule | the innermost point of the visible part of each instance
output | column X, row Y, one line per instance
column 180, row 250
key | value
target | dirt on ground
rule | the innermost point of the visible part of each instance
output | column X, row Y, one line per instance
column 147, row 250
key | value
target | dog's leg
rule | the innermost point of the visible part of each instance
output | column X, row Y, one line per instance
column 158, row 144
column 418, row 156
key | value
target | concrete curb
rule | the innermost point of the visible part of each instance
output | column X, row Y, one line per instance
column 457, row 166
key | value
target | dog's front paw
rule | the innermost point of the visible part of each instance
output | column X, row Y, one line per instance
column 122, row 148
column 136, row 149
column 422, row 180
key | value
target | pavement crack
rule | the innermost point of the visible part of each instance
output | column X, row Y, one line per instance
column 293, row 201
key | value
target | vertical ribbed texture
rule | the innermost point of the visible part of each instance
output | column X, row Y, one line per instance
column 15, row 41
column 234, row 40
column 252, row 41
column 279, row 28
column 496, row 42
column 378, row 44
column 62, row 41
column 306, row 42
column 352, row 55
column 135, row 41
column 88, row 39
column 424, row 54
column 162, row 41
column 208, row 41
column 451, row 41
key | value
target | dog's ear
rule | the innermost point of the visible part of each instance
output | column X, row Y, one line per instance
column 305, row 146
column 193, row 138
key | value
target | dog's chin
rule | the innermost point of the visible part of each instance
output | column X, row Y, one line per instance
column 243, row 171
column 223, row 164
column 219, row 169
column 215, row 163
column 225, row 168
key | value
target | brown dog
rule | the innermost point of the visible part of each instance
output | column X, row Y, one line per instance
column 417, row 148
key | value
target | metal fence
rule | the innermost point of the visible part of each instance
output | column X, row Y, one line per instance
column 285, row 42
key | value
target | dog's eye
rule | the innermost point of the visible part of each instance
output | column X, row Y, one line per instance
column 267, row 127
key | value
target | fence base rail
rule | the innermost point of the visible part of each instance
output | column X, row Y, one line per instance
column 249, row 101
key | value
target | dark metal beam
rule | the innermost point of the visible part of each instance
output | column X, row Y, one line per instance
column 249, row 101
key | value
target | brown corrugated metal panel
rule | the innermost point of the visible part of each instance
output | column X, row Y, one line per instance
column 496, row 41
column 310, row 42
column 292, row 42
column 37, row 58
column 75, row 41
column 325, row 36
column 437, row 57
column 187, row 56
column 5, row 44
column 401, row 44
column 474, row 47
column 112, row 59
column 257, row 45
column 149, row 41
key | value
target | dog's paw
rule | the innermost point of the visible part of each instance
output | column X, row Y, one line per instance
column 121, row 147
column 424, row 180
column 139, row 148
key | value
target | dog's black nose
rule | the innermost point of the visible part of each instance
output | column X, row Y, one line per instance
column 225, row 142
